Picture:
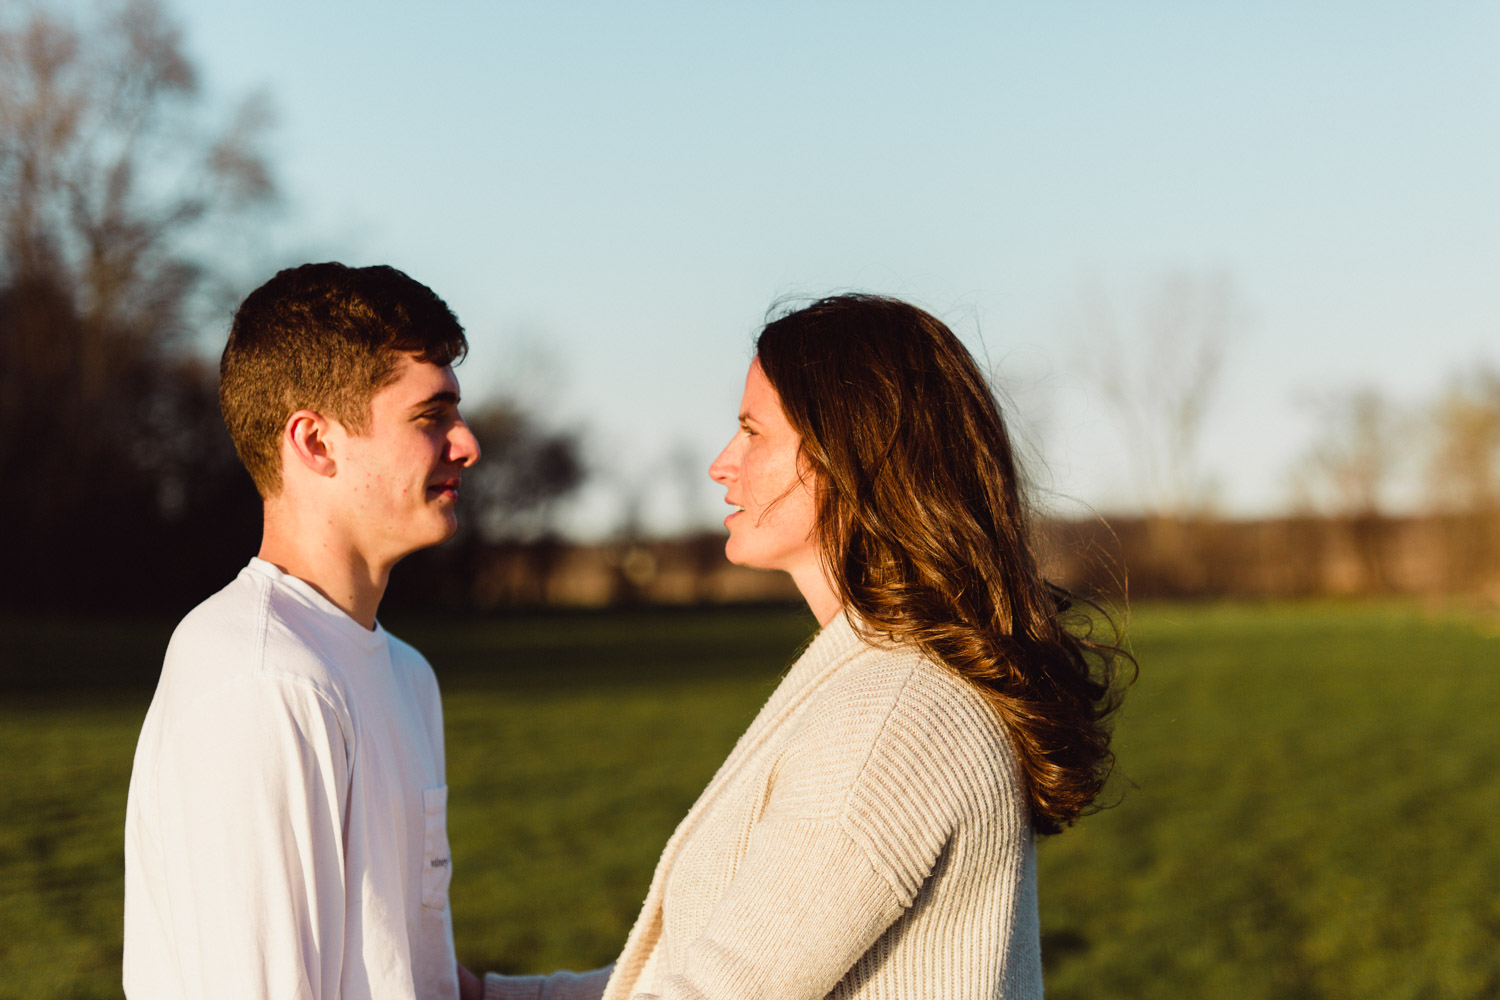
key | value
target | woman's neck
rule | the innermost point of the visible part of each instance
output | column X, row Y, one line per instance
column 818, row 591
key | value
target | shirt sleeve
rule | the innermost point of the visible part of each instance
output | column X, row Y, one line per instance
column 558, row 986
column 251, row 789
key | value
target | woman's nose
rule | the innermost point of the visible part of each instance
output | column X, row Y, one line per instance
column 721, row 469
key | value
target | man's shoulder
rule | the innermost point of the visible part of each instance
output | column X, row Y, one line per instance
column 249, row 628
column 404, row 653
column 226, row 627
column 412, row 666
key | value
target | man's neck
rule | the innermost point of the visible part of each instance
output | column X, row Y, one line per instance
column 338, row 572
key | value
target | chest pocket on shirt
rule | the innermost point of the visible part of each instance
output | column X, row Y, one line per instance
column 437, row 863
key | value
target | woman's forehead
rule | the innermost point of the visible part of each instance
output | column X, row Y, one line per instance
column 760, row 401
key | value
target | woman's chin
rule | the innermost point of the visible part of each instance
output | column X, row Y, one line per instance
column 743, row 555
column 732, row 553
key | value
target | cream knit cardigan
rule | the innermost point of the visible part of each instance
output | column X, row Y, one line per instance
column 868, row 837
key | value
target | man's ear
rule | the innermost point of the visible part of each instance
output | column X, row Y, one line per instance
column 307, row 437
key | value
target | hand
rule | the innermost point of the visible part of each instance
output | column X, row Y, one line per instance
column 470, row 986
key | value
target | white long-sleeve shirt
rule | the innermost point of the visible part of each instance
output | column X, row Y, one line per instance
column 286, row 832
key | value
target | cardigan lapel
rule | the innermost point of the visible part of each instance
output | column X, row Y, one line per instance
column 834, row 646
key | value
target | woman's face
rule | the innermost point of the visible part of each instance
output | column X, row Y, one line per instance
column 760, row 470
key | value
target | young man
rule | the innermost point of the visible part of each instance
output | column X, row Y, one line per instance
column 286, row 829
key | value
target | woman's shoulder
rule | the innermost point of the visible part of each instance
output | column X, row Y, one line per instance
column 891, row 711
column 906, row 689
column 915, row 753
column 877, row 674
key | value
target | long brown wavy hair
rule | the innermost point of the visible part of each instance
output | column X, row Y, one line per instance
column 925, row 531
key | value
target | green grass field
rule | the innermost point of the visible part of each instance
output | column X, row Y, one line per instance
column 1306, row 795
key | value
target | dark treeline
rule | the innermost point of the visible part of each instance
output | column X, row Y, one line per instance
column 122, row 203
column 118, row 487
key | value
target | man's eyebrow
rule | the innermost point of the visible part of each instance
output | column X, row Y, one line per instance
column 445, row 396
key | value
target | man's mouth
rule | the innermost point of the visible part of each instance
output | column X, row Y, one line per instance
column 447, row 488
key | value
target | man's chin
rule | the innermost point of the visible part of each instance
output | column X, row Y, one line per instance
column 446, row 528
column 439, row 532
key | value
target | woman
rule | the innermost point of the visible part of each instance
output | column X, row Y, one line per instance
column 871, row 834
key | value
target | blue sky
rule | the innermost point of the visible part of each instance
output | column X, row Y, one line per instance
column 612, row 195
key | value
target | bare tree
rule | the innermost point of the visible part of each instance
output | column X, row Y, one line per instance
column 1358, row 453
column 1157, row 373
column 526, row 470
column 114, row 190
column 110, row 171
column 1463, row 476
column 1360, row 450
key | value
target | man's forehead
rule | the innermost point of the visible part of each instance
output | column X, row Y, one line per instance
column 419, row 380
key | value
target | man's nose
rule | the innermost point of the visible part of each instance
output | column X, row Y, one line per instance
column 463, row 446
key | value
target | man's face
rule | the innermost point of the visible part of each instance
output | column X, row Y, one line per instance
column 401, row 477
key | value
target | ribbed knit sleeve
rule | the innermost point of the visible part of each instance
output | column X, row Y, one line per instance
column 940, row 765
column 804, row 906
column 940, row 810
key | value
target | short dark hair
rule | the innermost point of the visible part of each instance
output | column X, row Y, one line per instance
column 323, row 337
column 926, row 531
